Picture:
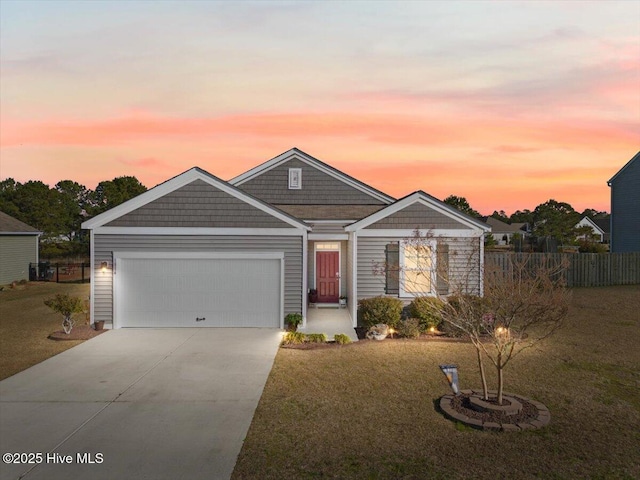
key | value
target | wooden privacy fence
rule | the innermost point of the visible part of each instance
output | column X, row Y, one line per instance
column 583, row 269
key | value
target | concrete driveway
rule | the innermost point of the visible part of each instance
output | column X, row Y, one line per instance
column 155, row 403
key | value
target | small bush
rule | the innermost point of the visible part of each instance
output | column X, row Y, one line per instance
column 293, row 338
column 341, row 338
column 372, row 311
column 428, row 310
column 67, row 306
column 409, row 328
column 293, row 320
column 316, row 338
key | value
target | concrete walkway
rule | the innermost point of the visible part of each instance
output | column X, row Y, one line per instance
column 329, row 321
column 156, row 403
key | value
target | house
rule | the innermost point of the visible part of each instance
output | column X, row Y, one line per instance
column 200, row 251
column 503, row 232
column 598, row 232
column 625, row 207
column 18, row 248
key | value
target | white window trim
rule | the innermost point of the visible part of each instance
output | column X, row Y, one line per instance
column 293, row 172
column 432, row 244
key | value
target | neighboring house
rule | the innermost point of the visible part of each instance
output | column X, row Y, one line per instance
column 503, row 232
column 18, row 248
column 625, row 207
column 199, row 251
column 598, row 233
column 604, row 224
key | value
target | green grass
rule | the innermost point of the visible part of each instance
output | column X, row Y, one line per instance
column 367, row 410
column 26, row 322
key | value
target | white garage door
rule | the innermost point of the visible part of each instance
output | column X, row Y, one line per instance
column 241, row 291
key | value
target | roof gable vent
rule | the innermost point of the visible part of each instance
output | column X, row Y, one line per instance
column 295, row 179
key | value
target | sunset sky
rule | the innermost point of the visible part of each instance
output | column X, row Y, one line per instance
column 506, row 103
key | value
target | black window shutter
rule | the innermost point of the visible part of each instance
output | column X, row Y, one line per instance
column 392, row 271
column 442, row 268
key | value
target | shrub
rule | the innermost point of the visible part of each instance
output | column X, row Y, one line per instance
column 293, row 338
column 409, row 328
column 316, row 338
column 341, row 338
column 293, row 320
column 372, row 311
column 67, row 306
column 428, row 310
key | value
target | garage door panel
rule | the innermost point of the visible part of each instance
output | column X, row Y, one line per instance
column 227, row 292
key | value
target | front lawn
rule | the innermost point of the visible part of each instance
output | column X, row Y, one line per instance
column 367, row 410
column 26, row 322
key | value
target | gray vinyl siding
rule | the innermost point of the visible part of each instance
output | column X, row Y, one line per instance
column 625, row 209
column 105, row 245
column 464, row 264
column 198, row 204
column 418, row 216
column 16, row 252
column 318, row 188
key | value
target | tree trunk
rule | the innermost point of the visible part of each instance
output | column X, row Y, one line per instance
column 485, row 390
column 500, row 380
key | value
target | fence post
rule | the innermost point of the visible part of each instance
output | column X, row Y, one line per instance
column 82, row 267
column 57, row 273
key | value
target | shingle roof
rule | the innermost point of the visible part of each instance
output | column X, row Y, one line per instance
column 8, row 224
column 603, row 223
column 498, row 226
column 329, row 212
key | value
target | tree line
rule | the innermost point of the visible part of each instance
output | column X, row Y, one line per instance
column 60, row 210
column 551, row 219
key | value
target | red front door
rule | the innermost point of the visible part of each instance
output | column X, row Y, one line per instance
column 328, row 276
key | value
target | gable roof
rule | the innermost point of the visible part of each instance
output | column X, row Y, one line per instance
column 179, row 181
column 498, row 226
column 298, row 154
column 12, row 226
column 634, row 159
column 424, row 199
column 603, row 223
column 591, row 223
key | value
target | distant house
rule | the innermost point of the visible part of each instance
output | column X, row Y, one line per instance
column 598, row 232
column 18, row 248
column 625, row 207
column 503, row 232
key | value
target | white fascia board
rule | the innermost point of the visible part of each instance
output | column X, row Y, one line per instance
column 176, row 183
column 406, row 233
column 330, row 222
column 285, row 232
column 416, row 197
column 201, row 255
column 328, row 236
column 297, row 155
column 35, row 234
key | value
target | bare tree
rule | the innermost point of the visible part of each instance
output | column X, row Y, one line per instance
column 524, row 301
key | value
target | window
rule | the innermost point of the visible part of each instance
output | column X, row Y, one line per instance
column 417, row 269
column 327, row 246
column 295, row 178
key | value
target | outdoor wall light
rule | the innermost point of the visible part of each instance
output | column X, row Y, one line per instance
column 103, row 267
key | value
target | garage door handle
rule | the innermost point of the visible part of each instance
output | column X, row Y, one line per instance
column 198, row 319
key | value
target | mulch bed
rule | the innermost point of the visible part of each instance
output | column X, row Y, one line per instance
column 81, row 332
column 529, row 411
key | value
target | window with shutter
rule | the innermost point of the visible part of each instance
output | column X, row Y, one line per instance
column 392, row 271
column 442, row 280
